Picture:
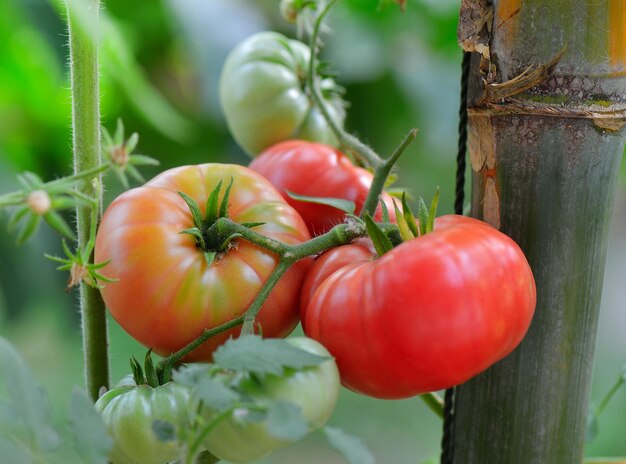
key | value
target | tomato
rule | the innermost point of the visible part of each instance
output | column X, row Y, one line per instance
column 313, row 389
column 264, row 96
column 317, row 170
column 129, row 413
column 429, row 314
column 166, row 294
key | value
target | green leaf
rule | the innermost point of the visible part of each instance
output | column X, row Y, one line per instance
column 344, row 205
column 212, row 210
column 54, row 220
column 12, row 451
column 213, row 394
column 286, row 422
column 190, row 375
column 28, row 229
column 432, row 212
column 422, row 216
column 350, row 447
column 224, row 205
column 194, row 208
column 379, row 239
column 165, row 431
column 408, row 217
column 28, row 403
column 91, row 441
column 252, row 353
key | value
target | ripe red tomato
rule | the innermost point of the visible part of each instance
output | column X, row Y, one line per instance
column 317, row 170
column 431, row 313
column 166, row 294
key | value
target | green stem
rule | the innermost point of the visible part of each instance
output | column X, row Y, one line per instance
column 605, row 401
column 346, row 140
column 83, row 26
column 434, row 403
column 381, row 174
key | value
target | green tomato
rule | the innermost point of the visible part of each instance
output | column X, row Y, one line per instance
column 314, row 390
column 264, row 95
column 129, row 413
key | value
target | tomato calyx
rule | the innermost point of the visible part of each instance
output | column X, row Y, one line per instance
column 149, row 375
column 210, row 239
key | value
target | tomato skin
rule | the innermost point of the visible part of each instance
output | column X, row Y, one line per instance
column 128, row 413
column 315, row 390
column 263, row 94
column 431, row 313
column 166, row 294
column 317, row 170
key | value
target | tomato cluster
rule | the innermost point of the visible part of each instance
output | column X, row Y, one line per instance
column 435, row 310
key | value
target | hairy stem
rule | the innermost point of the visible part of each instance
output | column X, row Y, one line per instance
column 83, row 24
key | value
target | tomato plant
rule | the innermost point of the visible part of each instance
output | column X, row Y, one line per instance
column 168, row 292
column 130, row 413
column 312, row 389
column 431, row 313
column 264, row 96
column 317, row 170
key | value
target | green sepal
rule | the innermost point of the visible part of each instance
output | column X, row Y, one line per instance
column 196, row 233
column 63, row 203
column 432, row 212
column 121, row 176
column 118, row 137
column 28, row 229
column 422, row 216
column 194, row 208
column 251, row 225
column 379, row 239
column 137, row 371
column 229, row 239
column 408, row 217
column 151, row 375
column 212, row 204
column 165, row 375
column 132, row 141
column 385, row 212
column 209, row 257
column 405, row 232
column 344, row 205
column 16, row 217
column 224, row 204
column 54, row 220
column 135, row 174
column 30, row 180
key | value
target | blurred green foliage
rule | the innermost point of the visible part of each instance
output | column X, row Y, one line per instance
column 160, row 63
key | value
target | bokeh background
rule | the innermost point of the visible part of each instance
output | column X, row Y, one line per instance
column 161, row 61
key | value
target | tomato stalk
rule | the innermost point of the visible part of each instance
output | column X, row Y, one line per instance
column 83, row 43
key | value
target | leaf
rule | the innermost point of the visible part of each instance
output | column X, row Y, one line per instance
column 212, row 204
column 14, row 452
column 91, row 441
column 190, row 375
column 165, row 431
column 344, row 205
column 408, row 216
column 54, row 220
column 252, row 353
column 379, row 239
column 286, row 422
column 213, row 394
column 349, row 446
column 194, row 208
column 28, row 401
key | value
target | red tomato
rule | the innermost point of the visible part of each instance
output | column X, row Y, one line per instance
column 167, row 294
column 431, row 313
column 317, row 170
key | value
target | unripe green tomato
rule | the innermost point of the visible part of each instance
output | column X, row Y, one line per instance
column 129, row 412
column 314, row 389
column 264, row 97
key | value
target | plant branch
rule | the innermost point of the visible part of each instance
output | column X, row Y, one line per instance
column 434, row 403
column 83, row 22
column 382, row 172
column 609, row 395
column 346, row 140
